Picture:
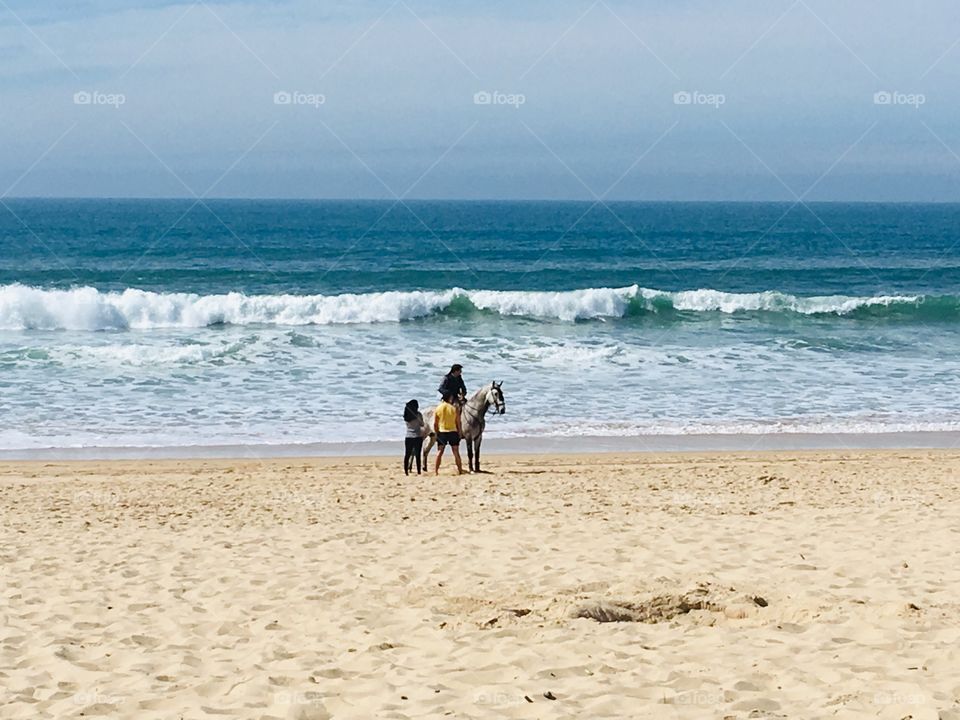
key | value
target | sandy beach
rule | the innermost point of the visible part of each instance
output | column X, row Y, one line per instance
column 784, row 584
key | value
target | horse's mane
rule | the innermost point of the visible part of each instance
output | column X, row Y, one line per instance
column 480, row 391
column 476, row 396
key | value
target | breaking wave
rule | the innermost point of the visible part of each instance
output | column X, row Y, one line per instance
column 86, row 308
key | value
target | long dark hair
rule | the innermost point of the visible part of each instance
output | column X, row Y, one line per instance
column 410, row 410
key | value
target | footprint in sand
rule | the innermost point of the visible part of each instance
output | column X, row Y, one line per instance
column 98, row 709
column 144, row 641
column 87, row 626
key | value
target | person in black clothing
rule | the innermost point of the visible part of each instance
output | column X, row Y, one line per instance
column 453, row 384
column 413, row 441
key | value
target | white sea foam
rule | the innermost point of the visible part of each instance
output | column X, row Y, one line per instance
column 120, row 355
column 772, row 301
column 86, row 308
column 587, row 304
column 261, row 385
column 27, row 308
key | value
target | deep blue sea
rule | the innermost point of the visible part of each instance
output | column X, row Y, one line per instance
column 170, row 323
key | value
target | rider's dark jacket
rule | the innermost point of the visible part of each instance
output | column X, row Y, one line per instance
column 452, row 385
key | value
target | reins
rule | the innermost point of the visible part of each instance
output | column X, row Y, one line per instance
column 476, row 414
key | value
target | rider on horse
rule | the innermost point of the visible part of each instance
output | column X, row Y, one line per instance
column 452, row 384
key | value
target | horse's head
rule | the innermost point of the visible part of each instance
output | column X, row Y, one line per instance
column 495, row 397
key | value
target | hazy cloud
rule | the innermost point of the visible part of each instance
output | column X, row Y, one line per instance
column 746, row 100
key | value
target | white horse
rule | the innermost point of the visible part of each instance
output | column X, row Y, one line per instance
column 473, row 420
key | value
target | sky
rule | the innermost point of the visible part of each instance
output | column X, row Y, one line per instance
column 567, row 99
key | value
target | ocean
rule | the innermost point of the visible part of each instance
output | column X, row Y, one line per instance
column 174, row 324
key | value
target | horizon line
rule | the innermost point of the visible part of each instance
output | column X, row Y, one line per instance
column 584, row 201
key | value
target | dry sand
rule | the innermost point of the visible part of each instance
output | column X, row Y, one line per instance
column 800, row 585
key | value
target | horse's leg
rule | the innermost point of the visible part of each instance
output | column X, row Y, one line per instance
column 477, row 455
column 431, row 440
column 470, row 454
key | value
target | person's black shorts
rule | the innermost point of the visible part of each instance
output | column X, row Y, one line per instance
column 449, row 438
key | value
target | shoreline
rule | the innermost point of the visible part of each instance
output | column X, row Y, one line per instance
column 587, row 444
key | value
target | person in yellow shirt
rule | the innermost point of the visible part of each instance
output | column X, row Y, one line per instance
column 446, row 424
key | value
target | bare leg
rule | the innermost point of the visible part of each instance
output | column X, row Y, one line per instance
column 456, row 456
column 436, row 469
